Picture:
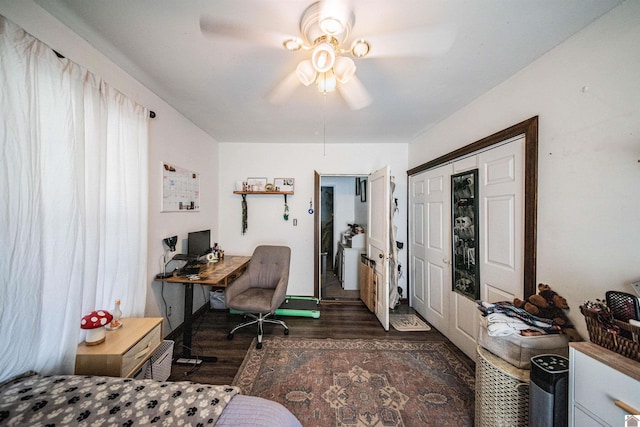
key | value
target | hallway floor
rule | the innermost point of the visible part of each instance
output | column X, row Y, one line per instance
column 332, row 289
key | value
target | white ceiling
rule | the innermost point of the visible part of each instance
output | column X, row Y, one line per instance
column 223, row 83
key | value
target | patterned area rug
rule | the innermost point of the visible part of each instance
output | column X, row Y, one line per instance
column 408, row 322
column 367, row 383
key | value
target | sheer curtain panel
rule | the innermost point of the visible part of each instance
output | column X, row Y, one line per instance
column 73, row 187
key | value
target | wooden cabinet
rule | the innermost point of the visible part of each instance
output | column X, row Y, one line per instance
column 124, row 351
column 368, row 284
column 604, row 386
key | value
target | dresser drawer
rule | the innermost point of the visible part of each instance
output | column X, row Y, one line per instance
column 596, row 386
column 141, row 351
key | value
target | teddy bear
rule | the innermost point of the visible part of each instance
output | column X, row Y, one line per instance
column 548, row 304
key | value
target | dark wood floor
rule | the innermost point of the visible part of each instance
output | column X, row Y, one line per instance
column 348, row 321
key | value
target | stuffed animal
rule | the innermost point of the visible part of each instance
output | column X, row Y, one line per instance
column 549, row 305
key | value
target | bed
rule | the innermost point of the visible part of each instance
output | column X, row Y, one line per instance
column 33, row 399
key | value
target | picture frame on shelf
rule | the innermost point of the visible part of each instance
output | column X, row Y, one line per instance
column 357, row 186
column 284, row 184
column 256, row 184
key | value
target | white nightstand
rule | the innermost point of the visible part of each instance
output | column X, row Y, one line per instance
column 601, row 384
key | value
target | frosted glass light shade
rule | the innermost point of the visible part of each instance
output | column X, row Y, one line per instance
column 323, row 57
column 306, row 73
column 327, row 82
column 344, row 69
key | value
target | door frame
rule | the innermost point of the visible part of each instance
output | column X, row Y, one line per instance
column 528, row 128
column 317, row 243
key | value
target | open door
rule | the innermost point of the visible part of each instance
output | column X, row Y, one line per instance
column 378, row 246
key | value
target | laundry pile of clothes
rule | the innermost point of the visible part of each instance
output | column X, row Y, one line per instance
column 504, row 318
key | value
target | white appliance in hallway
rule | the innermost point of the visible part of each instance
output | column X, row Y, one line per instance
column 350, row 249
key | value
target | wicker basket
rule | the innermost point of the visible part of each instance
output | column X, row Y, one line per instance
column 502, row 392
column 610, row 335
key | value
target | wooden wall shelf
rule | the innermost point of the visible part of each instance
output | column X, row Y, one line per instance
column 268, row 193
column 264, row 192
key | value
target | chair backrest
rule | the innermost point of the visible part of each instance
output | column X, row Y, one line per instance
column 624, row 306
column 269, row 264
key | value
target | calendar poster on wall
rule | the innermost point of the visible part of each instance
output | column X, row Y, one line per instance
column 180, row 189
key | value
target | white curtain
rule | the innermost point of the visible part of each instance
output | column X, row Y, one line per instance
column 73, row 188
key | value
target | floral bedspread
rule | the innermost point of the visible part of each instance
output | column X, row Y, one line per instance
column 33, row 399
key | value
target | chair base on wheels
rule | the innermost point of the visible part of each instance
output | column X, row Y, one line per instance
column 259, row 319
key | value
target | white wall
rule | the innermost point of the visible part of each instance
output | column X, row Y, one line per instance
column 172, row 139
column 299, row 161
column 586, row 92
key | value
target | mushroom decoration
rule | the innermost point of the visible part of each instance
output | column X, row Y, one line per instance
column 94, row 323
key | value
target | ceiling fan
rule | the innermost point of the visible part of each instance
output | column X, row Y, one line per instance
column 325, row 31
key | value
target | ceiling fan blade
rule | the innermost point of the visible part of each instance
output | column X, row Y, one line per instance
column 416, row 42
column 210, row 26
column 284, row 89
column 354, row 93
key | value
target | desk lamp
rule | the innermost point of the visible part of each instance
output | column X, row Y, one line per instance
column 170, row 243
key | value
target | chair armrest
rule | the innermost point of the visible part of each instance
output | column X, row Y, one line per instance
column 238, row 286
column 280, row 293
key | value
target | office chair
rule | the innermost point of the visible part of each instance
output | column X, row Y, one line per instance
column 261, row 289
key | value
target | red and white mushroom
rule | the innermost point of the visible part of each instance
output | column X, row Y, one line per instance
column 94, row 324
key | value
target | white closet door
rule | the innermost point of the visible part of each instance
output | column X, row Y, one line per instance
column 501, row 240
column 430, row 245
column 502, row 222
column 463, row 314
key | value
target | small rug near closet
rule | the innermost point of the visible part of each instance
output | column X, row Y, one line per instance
column 361, row 383
column 408, row 322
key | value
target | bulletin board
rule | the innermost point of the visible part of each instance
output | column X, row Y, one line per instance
column 180, row 189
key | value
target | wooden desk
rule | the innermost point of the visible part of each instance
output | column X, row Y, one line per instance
column 218, row 274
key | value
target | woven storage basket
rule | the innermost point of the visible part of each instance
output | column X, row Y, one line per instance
column 607, row 338
column 502, row 392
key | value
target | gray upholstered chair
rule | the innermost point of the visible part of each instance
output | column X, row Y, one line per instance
column 261, row 289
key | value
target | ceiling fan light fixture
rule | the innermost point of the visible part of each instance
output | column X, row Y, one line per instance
column 293, row 44
column 306, row 72
column 327, row 82
column 360, row 48
column 323, row 57
column 331, row 26
column 344, row 69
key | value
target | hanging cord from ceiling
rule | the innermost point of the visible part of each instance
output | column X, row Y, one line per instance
column 324, row 123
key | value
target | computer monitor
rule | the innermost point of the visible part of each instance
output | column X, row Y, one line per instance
column 199, row 243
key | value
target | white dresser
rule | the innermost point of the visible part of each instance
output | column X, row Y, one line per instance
column 601, row 384
column 349, row 259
